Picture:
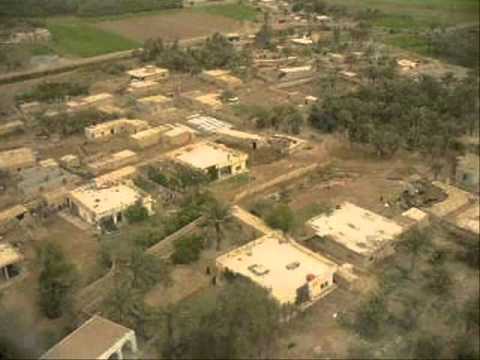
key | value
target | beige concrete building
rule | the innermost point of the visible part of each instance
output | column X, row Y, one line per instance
column 139, row 88
column 222, row 78
column 365, row 235
column 215, row 160
column 70, row 161
column 209, row 100
column 292, row 273
column 97, row 338
column 98, row 205
column 112, row 161
column 149, row 73
column 11, row 127
column 115, row 177
column 294, row 73
column 13, row 161
column 10, row 260
column 178, row 135
column 12, row 214
column 154, row 104
column 90, row 101
column 115, row 127
column 149, row 137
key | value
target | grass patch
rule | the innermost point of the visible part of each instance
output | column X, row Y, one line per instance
column 410, row 42
column 84, row 40
column 238, row 12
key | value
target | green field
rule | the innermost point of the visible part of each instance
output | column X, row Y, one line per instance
column 237, row 11
column 78, row 38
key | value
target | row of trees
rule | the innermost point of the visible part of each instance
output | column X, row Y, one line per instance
column 215, row 52
column 390, row 113
column 33, row 8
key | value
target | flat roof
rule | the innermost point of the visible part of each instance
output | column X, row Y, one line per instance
column 141, row 84
column 114, row 123
column 470, row 219
column 10, row 213
column 147, row 71
column 208, row 123
column 103, row 200
column 112, row 158
column 274, row 254
column 115, row 176
column 239, row 134
column 415, row 214
column 150, row 132
column 205, row 155
column 9, row 255
column 358, row 229
column 88, row 100
column 295, row 69
column 16, row 156
column 90, row 341
column 157, row 99
column 211, row 99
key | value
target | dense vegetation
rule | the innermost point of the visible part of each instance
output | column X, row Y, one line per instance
column 390, row 112
column 82, row 7
column 215, row 52
column 50, row 92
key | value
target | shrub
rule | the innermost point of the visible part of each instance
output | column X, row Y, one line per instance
column 281, row 217
column 187, row 250
column 53, row 91
column 136, row 213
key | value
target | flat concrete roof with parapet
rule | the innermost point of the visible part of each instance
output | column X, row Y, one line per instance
column 295, row 69
column 89, row 100
column 12, row 158
column 115, row 176
column 9, row 255
column 456, row 198
column 205, row 155
column 90, row 341
column 358, row 229
column 470, row 219
column 156, row 99
column 147, row 71
column 100, row 200
column 277, row 264
column 208, row 123
column 241, row 135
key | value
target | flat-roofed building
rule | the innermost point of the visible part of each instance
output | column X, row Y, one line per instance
column 178, row 135
column 113, row 161
column 90, row 101
column 292, row 273
column 139, row 88
column 207, row 124
column 10, row 260
column 469, row 220
column 149, row 72
column 70, row 161
column 115, row 177
column 97, row 338
column 11, row 127
column 154, row 104
column 149, row 137
column 365, row 235
column 241, row 137
column 293, row 73
column 303, row 41
column 12, row 214
column 115, row 127
column 222, row 78
column 215, row 160
column 16, row 160
column 209, row 100
column 98, row 205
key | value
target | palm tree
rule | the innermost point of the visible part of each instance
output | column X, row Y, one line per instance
column 217, row 214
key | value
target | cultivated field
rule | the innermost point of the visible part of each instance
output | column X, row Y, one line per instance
column 170, row 25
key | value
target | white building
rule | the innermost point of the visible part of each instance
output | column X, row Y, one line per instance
column 358, row 230
column 97, row 338
column 291, row 272
column 97, row 205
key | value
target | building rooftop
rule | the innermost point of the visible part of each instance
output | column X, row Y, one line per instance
column 150, row 132
column 470, row 219
column 223, row 75
column 210, row 99
column 12, row 212
column 89, row 100
column 142, row 84
column 114, row 177
column 277, row 264
column 295, row 69
column 147, row 71
column 9, row 255
column 101, row 200
column 156, row 99
column 90, row 341
column 302, row 41
column 469, row 162
column 242, row 135
column 207, row 123
column 10, row 158
column 205, row 155
column 358, row 229
column 415, row 214
column 106, row 126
